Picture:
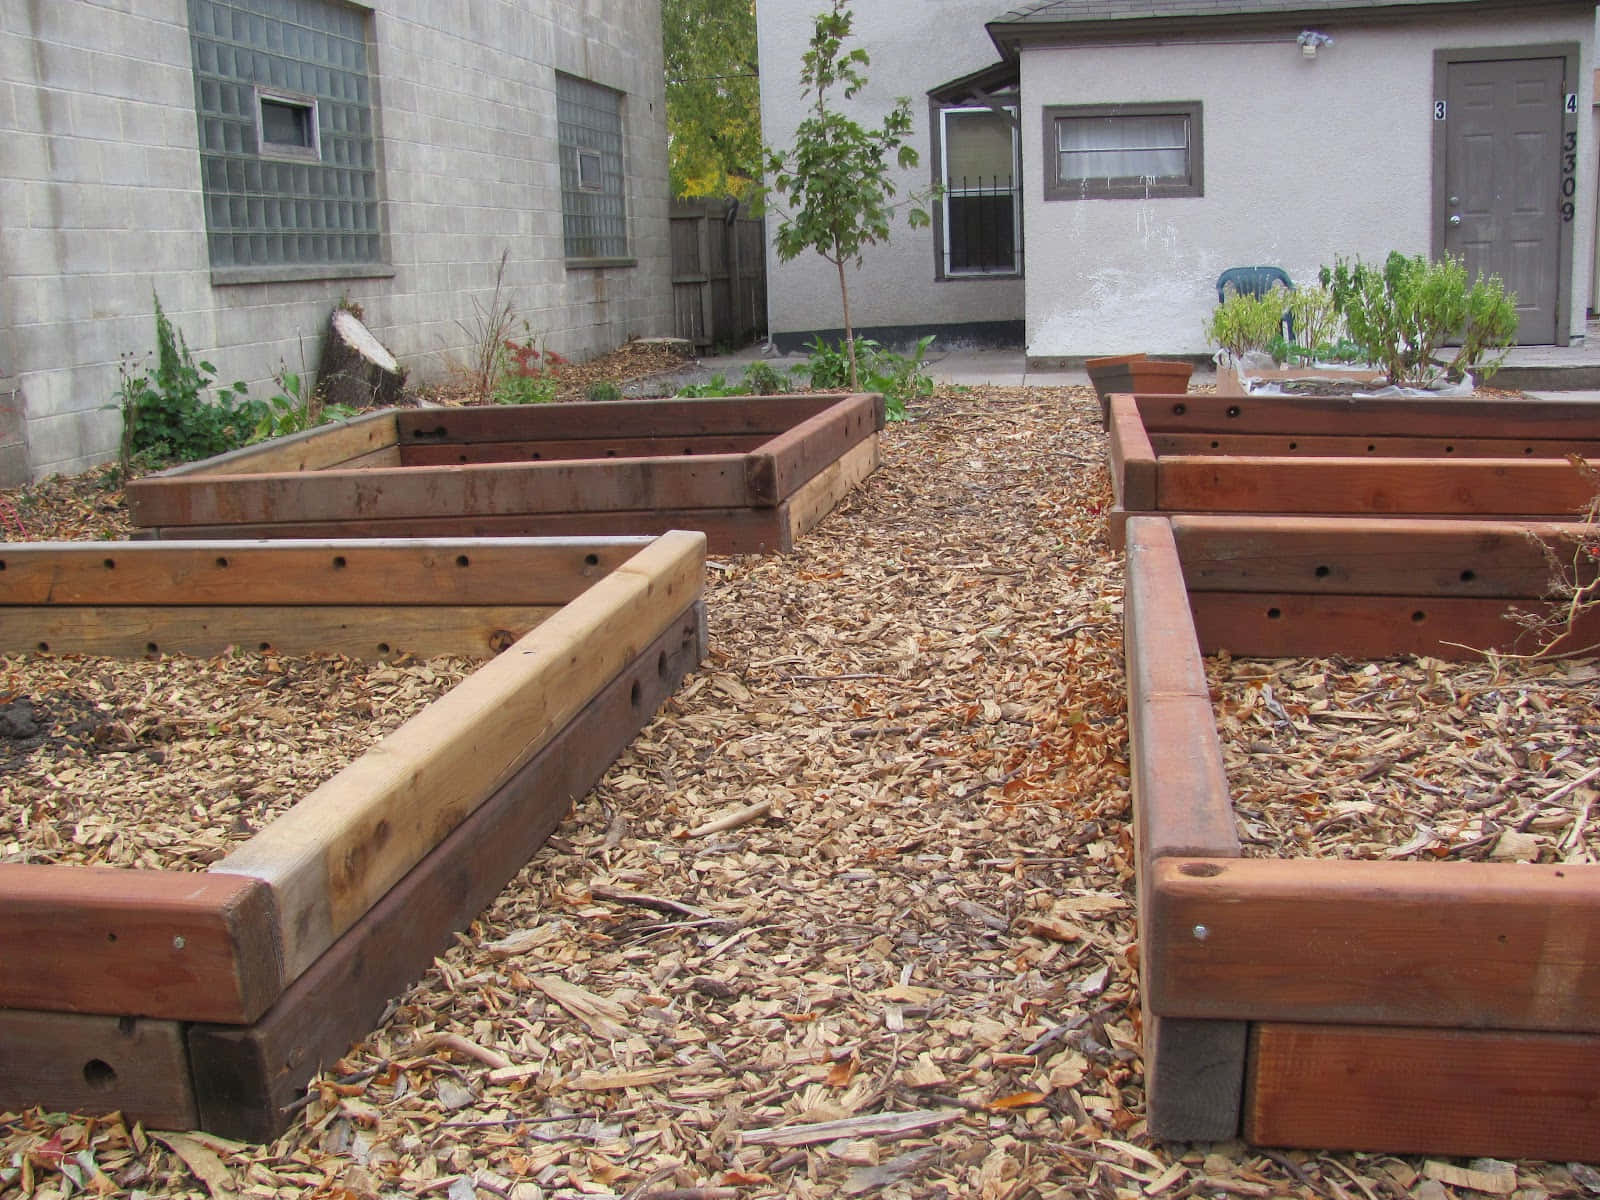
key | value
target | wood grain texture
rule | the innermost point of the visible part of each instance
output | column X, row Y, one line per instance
column 338, row 444
column 1278, row 625
column 1131, row 457
column 818, row 496
column 246, row 1077
column 333, row 855
column 88, row 1064
column 460, row 571
column 1194, row 1078
column 489, row 489
column 360, row 631
column 184, row 945
column 1484, row 487
column 786, row 462
column 1359, row 445
column 1372, row 557
column 710, row 416
column 728, row 530
column 1425, row 1091
column 430, row 454
column 1460, row 944
column 1555, row 420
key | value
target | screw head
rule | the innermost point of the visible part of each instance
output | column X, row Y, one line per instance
column 178, row 943
column 1201, row 933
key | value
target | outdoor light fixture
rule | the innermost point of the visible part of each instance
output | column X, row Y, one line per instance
column 1310, row 40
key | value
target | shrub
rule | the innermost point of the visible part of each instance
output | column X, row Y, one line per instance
column 899, row 378
column 1243, row 323
column 602, row 391
column 166, row 417
column 1403, row 315
column 763, row 379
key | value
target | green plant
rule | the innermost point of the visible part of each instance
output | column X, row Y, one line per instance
column 899, row 378
column 522, row 371
column 602, row 391
column 293, row 410
column 1403, row 316
column 836, row 177
column 1242, row 323
column 1316, row 317
column 717, row 385
column 763, row 379
column 490, row 327
column 166, row 416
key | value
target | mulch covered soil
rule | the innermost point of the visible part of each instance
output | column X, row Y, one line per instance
column 852, row 917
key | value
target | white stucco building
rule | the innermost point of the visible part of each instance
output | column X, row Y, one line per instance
column 1155, row 144
column 253, row 161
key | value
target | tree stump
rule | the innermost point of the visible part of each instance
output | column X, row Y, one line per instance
column 356, row 369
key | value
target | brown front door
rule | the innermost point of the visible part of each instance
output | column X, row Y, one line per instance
column 1503, row 180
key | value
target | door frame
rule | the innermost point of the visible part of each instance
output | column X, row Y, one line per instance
column 1569, row 53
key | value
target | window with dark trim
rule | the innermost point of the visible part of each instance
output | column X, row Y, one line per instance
column 594, row 202
column 288, row 153
column 980, row 211
column 1123, row 151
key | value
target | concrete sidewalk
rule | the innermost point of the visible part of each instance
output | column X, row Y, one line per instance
column 972, row 368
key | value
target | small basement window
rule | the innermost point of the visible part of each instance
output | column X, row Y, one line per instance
column 287, row 125
column 590, row 178
column 1123, row 151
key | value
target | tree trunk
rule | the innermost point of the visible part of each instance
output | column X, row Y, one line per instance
column 849, row 330
column 356, row 369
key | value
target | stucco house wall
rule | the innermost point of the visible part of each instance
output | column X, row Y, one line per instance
column 1305, row 160
column 895, row 286
column 101, row 201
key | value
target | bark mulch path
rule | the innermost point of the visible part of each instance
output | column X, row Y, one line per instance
column 852, row 916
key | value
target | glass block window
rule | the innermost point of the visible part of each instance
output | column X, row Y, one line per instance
column 593, row 198
column 287, row 155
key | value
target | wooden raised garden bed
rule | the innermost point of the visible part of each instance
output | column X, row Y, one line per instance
column 753, row 473
column 1406, row 1006
column 1349, row 457
column 209, row 999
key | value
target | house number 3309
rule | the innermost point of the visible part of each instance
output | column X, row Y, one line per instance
column 1569, row 173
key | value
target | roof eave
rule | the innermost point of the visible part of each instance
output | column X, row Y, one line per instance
column 1010, row 37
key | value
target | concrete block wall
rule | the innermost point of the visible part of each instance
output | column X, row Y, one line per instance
column 101, row 203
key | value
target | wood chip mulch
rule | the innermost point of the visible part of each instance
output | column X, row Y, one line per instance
column 852, row 917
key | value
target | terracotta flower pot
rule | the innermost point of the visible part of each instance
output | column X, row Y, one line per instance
column 1137, row 374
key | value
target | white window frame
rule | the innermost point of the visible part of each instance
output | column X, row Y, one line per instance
column 308, row 104
column 945, row 270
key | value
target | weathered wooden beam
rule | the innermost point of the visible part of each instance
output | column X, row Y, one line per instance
column 184, row 945
column 1433, row 1091
column 246, row 1078
column 361, row 631
column 1394, row 556
column 653, row 418
column 1363, row 445
column 455, row 453
column 818, row 496
column 1483, row 487
column 1131, row 457
column 1462, row 944
column 779, row 468
column 90, row 1064
column 1387, row 416
column 341, row 443
column 460, row 571
column 336, row 853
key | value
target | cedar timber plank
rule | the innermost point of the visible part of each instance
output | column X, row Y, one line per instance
column 1132, row 458
column 456, row 572
column 1460, row 944
column 245, row 1078
column 582, row 485
column 653, row 418
column 1482, row 487
column 779, row 468
column 1555, row 420
column 1366, row 446
column 1194, row 1070
column 1432, row 1091
column 359, row 631
column 452, row 453
column 728, row 530
column 1393, row 556
column 178, row 944
column 68, row 1062
column 817, row 497
column 334, row 445
column 1292, row 625
column 333, row 855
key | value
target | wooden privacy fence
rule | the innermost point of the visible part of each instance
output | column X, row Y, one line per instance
column 719, row 272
